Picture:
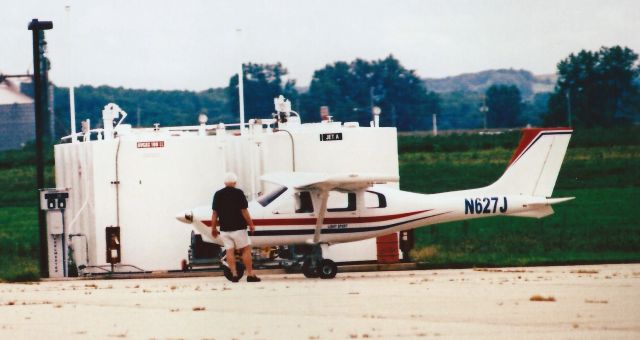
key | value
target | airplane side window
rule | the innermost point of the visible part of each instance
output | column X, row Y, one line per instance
column 303, row 202
column 374, row 199
column 341, row 202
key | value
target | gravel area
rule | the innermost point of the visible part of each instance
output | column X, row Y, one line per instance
column 595, row 301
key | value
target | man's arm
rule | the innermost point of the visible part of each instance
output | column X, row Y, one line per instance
column 214, row 224
column 247, row 218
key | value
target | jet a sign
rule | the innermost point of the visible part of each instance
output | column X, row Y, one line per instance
column 327, row 137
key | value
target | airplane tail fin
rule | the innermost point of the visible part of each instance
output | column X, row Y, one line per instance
column 534, row 166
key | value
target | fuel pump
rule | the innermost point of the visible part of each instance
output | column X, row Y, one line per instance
column 54, row 202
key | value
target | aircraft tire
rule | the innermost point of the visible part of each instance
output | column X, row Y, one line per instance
column 227, row 272
column 327, row 269
column 308, row 270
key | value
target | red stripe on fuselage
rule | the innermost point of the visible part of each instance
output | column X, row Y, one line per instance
column 328, row 220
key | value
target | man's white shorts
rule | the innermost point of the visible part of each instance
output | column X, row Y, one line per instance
column 237, row 239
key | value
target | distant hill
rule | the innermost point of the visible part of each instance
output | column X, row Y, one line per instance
column 528, row 83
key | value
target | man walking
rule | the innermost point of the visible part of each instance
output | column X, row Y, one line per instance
column 230, row 210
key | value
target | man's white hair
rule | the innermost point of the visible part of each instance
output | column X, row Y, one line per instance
column 230, row 177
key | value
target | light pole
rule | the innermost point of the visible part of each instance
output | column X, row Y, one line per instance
column 240, row 81
column 484, row 109
column 38, row 28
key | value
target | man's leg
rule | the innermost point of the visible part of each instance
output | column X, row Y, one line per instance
column 231, row 261
column 246, row 259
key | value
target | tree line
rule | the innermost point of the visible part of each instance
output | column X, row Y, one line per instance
column 594, row 88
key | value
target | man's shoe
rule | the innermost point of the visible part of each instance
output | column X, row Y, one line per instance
column 235, row 279
column 253, row 278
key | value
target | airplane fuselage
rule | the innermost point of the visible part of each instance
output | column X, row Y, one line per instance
column 403, row 211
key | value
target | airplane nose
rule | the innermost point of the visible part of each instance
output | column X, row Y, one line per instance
column 185, row 216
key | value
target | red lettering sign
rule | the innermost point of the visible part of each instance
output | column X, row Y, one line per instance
column 150, row 144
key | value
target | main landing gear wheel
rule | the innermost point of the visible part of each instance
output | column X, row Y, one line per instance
column 308, row 269
column 227, row 271
column 327, row 269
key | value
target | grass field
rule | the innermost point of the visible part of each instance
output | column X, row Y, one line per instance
column 19, row 244
column 600, row 225
column 601, row 169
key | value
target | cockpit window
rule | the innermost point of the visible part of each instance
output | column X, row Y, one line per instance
column 271, row 196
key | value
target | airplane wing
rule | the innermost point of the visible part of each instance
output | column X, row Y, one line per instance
column 321, row 181
column 324, row 183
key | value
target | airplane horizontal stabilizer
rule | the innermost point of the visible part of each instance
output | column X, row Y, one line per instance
column 548, row 201
column 559, row 200
column 536, row 213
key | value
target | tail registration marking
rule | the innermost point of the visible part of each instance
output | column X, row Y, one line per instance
column 484, row 205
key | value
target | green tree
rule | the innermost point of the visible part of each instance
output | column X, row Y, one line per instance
column 535, row 109
column 154, row 106
column 596, row 88
column 505, row 104
column 262, row 83
column 460, row 110
column 332, row 86
column 351, row 89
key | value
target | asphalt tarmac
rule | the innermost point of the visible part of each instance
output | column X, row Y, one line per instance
column 595, row 301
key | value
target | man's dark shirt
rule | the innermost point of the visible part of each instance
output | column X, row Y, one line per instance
column 228, row 203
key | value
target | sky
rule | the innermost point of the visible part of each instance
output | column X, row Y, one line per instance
column 199, row 44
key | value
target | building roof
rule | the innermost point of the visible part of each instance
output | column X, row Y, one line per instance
column 10, row 94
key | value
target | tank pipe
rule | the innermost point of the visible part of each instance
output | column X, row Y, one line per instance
column 140, row 270
column 117, row 183
column 293, row 149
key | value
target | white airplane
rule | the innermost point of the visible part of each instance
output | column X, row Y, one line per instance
column 323, row 209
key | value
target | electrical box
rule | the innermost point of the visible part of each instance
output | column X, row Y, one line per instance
column 113, row 245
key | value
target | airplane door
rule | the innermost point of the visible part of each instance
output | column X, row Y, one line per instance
column 341, row 205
